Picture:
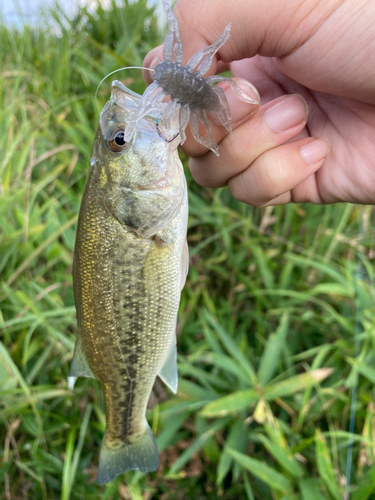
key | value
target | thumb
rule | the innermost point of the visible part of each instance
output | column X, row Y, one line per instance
column 272, row 28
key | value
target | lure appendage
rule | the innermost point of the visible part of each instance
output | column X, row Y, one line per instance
column 191, row 95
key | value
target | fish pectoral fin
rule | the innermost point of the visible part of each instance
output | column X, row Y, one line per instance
column 79, row 366
column 184, row 265
column 168, row 372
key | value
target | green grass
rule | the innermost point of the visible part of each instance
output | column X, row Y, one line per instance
column 268, row 357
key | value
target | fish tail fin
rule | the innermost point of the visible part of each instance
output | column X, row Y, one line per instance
column 137, row 453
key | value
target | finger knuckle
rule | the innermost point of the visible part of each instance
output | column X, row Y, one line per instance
column 271, row 175
column 238, row 189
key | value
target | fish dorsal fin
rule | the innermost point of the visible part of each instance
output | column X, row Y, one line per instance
column 80, row 366
column 184, row 265
column 168, row 373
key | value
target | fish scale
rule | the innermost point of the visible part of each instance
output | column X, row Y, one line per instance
column 120, row 326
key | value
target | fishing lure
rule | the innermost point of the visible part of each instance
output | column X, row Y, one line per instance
column 192, row 95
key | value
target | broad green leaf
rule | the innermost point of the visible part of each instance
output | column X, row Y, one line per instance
column 248, row 489
column 366, row 486
column 67, row 482
column 325, row 467
column 233, row 403
column 285, row 460
column 232, row 347
column 309, row 489
column 216, row 236
column 13, row 371
column 365, row 370
column 296, row 384
column 228, row 364
column 324, row 267
column 26, row 263
column 332, row 289
column 195, row 446
column 8, row 379
column 271, row 477
column 236, row 441
column 272, row 352
column 306, row 297
column 207, row 379
column 170, row 429
column 339, row 226
column 264, row 269
column 78, row 450
column 194, row 391
column 29, row 471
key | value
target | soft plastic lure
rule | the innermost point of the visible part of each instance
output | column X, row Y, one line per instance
column 192, row 95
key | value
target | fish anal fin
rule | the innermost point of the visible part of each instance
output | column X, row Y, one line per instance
column 137, row 453
column 168, row 372
column 80, row 366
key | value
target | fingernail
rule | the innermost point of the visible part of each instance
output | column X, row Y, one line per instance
column 150, row 74
column 154, row 62
column 314, row 151
column 287, row 113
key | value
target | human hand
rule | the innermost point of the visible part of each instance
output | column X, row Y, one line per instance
column 319, row 50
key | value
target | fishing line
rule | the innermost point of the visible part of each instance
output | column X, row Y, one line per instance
column 112, row 73
column 360, row 274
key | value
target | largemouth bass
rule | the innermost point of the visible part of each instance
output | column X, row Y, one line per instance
column 130, row 264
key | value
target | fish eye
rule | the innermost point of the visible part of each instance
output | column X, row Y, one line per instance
column 116, row 140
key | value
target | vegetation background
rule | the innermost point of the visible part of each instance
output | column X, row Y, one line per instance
column 276, row 327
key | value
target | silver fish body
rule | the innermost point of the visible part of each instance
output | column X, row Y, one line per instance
column 130, row 264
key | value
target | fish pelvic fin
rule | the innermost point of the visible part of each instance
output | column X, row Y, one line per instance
column 137, row 453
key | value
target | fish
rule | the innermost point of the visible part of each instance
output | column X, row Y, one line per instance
column 131, row 255
column 130, row 265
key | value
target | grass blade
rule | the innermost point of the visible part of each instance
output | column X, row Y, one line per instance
column 274, row 479
column 297, row 383
column 325, row 467
column 272, row 352
column 366, row 486
column 310, row 490
column 233, row 403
